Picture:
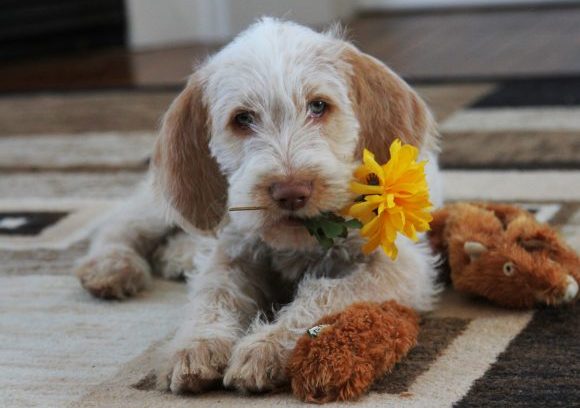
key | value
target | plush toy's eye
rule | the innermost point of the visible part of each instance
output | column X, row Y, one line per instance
column 508, row 268
column 316, row 108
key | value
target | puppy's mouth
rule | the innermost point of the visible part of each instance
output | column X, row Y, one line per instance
column 291, row 221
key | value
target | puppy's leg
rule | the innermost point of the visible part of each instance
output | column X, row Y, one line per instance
column 223, row 302
column 259, row 360
column 181, row 254
column 116, row 265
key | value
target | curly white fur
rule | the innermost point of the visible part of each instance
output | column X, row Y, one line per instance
column 258, row 283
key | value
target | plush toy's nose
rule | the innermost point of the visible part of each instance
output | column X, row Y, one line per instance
column 571, row 289
column 291, row 196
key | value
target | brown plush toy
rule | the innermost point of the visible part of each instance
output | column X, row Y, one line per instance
column 340, row 357
column 500, row 252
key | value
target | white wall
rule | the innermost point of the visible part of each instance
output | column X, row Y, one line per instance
column 155, row 23
column 159, row 23
column 417, row 4
column 309, row 12
column 162, row 23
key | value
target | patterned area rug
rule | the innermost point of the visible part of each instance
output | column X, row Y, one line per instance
column 67, row 159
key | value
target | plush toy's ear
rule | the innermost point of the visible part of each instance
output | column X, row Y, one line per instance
column 185, row 172
column 531, row 245
column 386, row 107
column 531, row 235
column 474, row 249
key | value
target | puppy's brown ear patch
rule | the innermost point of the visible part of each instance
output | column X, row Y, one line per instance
column 386, row 107
column 184, row 169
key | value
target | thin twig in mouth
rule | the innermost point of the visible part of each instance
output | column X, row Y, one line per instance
column 246, row 208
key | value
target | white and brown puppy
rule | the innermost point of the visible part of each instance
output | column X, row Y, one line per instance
column 278, row 118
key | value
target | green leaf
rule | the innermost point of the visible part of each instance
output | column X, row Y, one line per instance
column 326, row 243
column 328, row 226
column 331, row 229
column 353, row 224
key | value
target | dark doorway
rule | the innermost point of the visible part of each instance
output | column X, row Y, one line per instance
column 35, row 28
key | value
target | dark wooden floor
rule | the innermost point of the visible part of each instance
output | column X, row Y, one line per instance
column 481, row 44
column 420, row 46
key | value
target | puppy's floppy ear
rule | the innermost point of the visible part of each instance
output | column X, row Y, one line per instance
column 386, row 107
column 184, row 170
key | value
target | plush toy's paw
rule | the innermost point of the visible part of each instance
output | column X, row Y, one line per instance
column 257, row 364
column 329, row 373
column 116, row 274
column 196, row 368
column 341, row 361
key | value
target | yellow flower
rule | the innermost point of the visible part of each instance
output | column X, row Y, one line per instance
column 395, row 198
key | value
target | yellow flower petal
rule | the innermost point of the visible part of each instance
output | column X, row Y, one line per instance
column 398, row 220
column 363, row 211
column 399, row 204
column 372, row 165
column 389, row 231
column 395, row 147
column 391, row 250
column 371, row 245
column 371, row 227
column 359, row 188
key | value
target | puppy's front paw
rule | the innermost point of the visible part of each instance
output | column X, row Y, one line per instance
column 257, row 364
column 117, row 274
column 196, row 368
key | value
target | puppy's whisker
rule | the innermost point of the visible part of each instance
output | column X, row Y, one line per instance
column 248, row 208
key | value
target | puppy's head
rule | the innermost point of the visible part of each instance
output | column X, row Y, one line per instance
column 278, row 119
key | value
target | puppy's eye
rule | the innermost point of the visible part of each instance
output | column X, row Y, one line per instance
column 316, row 108
column 244, row 119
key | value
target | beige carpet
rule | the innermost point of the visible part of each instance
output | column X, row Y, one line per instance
column 60, row 347
column 439, row 380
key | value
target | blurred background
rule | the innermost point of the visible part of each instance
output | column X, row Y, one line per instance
column 83, row 83
column 71, row 67
column 80, row 44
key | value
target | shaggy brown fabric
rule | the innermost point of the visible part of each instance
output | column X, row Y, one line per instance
column 539, row 262
column 360, row 344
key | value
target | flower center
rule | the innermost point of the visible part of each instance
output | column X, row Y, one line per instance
column 373, row 179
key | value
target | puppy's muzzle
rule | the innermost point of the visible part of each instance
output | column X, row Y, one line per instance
column 291, row 196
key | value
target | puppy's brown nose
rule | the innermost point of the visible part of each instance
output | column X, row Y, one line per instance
column 291, row 195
